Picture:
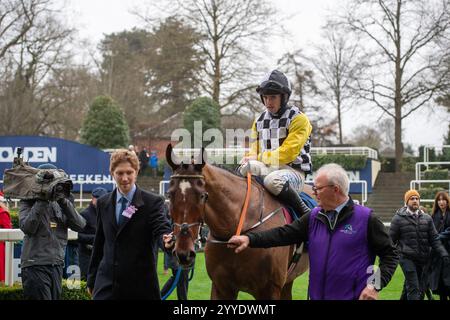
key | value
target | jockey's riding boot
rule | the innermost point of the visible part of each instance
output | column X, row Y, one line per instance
column 291, row 198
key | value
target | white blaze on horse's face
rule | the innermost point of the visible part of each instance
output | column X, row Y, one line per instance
column 184, row 185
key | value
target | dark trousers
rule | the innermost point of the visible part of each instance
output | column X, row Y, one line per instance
column 85, row 258
column 42, row 282
column 71, row 258
column 182, row 285
column 415, row 278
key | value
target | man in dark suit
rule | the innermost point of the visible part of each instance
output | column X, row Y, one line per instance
column 129, row 223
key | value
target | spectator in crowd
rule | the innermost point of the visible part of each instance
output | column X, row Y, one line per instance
column 413, row 232
column 153, row 161
column 132, row 149
column 183, row 281
column 143, row 160
column 5, row 223
column 45, row 225
column 166, row 263
column 71, row 255
column 440, row 274
column 343, row 240
column 129, row 223
column 86, row 236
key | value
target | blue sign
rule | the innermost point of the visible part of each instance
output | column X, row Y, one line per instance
column 365, row 174
column 87, row 166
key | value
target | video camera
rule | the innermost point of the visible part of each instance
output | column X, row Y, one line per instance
column 28, row 183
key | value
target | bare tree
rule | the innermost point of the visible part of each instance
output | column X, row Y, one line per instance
column 338, row 65
column 72, row 89
column 306, row 95
column 302, row 78
column 405, row 37
column 366, row 135
column 17, row 17
column 26, row 66
column 234, row 32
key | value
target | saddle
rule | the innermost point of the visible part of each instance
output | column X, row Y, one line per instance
column 289, row 212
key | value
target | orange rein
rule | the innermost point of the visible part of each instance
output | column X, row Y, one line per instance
column 244, row 209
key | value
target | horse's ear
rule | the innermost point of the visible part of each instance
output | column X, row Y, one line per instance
column 202, row 161
column 204, row 156
column 169, row 152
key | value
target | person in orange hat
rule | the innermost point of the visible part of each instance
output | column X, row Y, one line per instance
column 414, row 234
column 5, row 223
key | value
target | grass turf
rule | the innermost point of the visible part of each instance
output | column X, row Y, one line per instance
column 200, row 285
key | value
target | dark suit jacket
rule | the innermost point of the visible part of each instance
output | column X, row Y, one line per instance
column 123, row 263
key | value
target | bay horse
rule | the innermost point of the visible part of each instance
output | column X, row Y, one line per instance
column 202, row 193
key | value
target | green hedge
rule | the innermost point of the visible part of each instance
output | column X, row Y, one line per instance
column 348, row 162
column 16, row 292
column 409, row 164
column 14, row 214
column 445, row 156
column 431, row 190
column 436, row 174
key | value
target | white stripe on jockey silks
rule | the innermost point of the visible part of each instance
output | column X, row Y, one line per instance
column 277, row 130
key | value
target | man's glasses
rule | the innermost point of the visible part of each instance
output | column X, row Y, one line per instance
column 315, row 189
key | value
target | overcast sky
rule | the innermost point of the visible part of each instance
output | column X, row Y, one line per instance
column 93, row 18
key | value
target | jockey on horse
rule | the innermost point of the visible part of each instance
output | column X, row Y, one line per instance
column 280, row 144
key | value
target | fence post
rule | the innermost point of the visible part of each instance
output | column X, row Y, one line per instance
column 81, row 195
column 9, row 263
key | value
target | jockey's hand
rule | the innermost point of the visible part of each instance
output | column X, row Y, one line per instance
column 239, row 242
column 168, row 240
column 369, row 293
column 89, row 291
column 246, row 159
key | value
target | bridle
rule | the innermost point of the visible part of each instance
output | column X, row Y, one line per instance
column 184, row 226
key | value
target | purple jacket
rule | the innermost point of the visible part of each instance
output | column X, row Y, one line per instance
column 339, row 260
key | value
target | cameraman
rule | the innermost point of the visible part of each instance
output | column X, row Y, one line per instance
column 45, row 224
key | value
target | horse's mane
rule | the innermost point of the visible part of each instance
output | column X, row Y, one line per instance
column 227, row 168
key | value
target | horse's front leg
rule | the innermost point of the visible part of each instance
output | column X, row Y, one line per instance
column 221, row 293
column 269, row 292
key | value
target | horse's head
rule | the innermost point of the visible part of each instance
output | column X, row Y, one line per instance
column 188, row 196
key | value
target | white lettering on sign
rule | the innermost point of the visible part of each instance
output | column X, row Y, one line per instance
column 353, row 175
column 30, row 154
column 93, row 178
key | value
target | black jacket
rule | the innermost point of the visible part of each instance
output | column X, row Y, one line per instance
column 440, row 221
column 45, row 225
column 123, row 264
column 87, row 235
column 415, row 237
column 378, row 238
column 440, row 272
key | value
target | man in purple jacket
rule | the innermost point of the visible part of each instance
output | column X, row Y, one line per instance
column 343, row 240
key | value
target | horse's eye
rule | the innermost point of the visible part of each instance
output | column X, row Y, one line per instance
column 200, row 183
